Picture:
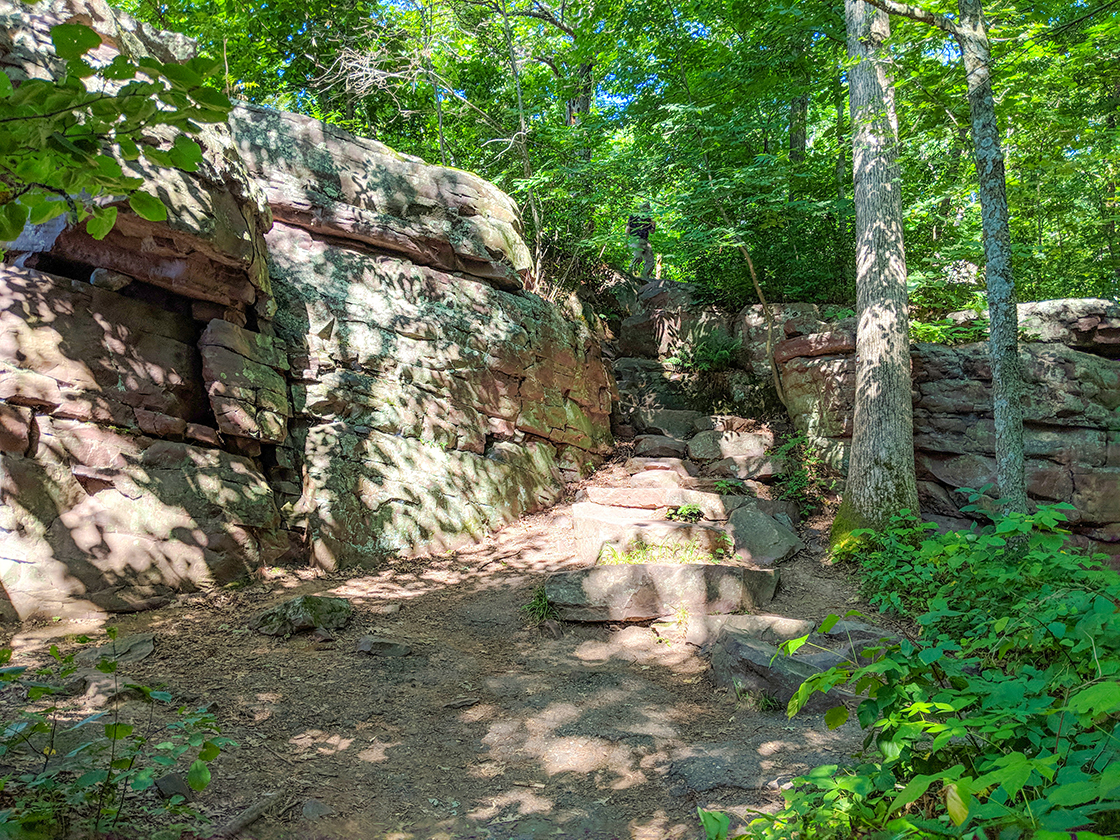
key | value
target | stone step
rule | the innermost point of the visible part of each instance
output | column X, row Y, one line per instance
column 600, row 529
column 714, row 507
column 683, row 468
column 643, row 592
column 761, row 540
column 713, row 445
column 659, row 446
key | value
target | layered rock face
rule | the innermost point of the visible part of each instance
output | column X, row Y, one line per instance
column 1071, row 411
column 183, row 402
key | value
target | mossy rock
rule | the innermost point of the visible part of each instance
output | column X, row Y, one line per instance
column 306, row 612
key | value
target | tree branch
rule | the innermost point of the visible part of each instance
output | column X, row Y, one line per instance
column 906, row 10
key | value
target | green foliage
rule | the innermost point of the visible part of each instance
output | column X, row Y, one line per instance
column 732, row 487
column 666, row 553
column 947, row 331
column 96, row 775
column 806, row 478
column 539, row 609
column 1001, row 720
column 712, row 353
column 685, row 513
column 78, row 135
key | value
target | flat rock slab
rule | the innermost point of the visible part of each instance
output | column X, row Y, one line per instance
column 745, row 467
column 377, row 646
column 659, row 446
column 760, row 539
column 667, row 421
column 714, row 445
column 642, row 592
column 685, row 469
column 715, row 507
column 772, row 629
column 660, row 478
column 743, row 663
column 705, row 767
column 306, row 612
column 599, row 528
column 125, row 649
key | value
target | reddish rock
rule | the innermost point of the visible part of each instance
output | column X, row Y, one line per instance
column 15, row 428
column 243, row 372
column 819, row 344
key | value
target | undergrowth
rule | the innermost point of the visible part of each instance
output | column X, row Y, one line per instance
column 67, row 775
column 1000, row 721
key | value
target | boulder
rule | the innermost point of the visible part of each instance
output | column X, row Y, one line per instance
column 714, row 445
column 743, row 663
column 683, row 468
column 746, row 467
column 645, row 592
column 659, row 446
column 664, row 421
column 307, row 612
column 715, row 508
column 760, row 539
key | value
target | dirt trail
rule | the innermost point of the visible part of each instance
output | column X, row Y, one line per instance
column 488, row 729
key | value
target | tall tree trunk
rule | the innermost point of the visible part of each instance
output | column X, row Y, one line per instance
column 881, row 479
column 1003, row 344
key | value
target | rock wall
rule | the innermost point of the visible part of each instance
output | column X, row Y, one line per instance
column 1071, row 411
column 183, row 402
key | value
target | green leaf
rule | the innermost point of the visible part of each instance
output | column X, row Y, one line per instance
column 101, row 222
column 117, row 731
column 13, row 216
column 716, row 824
column 913, row 791
column 73, row 40
column 6, row 88
column 836, row 716
column 828, row 623
column 164, row 696
column 1077, row 793
column 956, row 801
column 198, row 777
column 147, row 206
column 186, row 154
column 210, row 751
column 1099, row 699
column 92, row 778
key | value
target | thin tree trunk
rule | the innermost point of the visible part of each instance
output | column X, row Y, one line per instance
column 881, row 479
column 1003, row 344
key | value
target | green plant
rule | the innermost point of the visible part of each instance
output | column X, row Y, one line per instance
column 95, row 775
column 540, row 608
column 946, row 331
column 733, row 487
column 1001, row 720
column 685, row 513
column 806, row 478
column 663, row 553
column 62, row 145
column 716, row 351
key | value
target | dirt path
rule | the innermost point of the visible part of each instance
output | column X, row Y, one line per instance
column 488, row 729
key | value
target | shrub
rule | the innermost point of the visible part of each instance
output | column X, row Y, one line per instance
column 685, row 513
column 714, row 352
column 1000, row 720
column 806, row 478
column 103, row 782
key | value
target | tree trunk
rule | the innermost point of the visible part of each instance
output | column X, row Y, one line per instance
column 881, row 479
column 1007, row 377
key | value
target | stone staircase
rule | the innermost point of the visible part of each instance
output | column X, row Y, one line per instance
column 694, row 528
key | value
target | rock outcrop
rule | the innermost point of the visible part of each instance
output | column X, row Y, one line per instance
column 184, row 401
column 1071, row 413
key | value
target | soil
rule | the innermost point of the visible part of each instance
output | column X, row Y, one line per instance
column 490, row 728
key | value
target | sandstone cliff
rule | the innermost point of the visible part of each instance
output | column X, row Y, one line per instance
column 182, row 402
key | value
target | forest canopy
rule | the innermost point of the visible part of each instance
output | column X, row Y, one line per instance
column 730, row 118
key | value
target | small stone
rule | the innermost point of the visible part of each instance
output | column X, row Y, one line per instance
column 385, row 609
column 320, row 634
column 376, row 646
column 551, row 629
column 173, row 784
column 462, row 703
column 103, row 278
column 313, row 809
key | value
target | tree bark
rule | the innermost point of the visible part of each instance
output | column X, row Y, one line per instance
column 1003, row 343
column 881, row 479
